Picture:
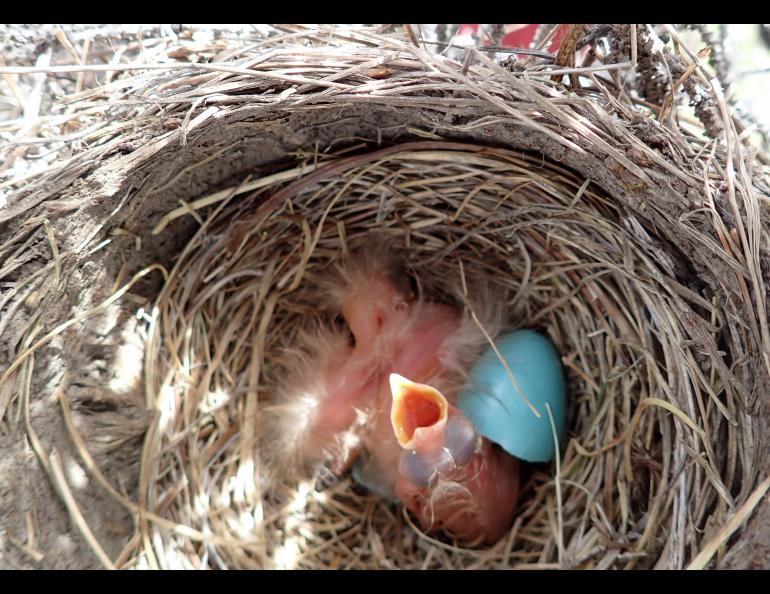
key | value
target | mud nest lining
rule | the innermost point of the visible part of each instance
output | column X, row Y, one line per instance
column 625, row 242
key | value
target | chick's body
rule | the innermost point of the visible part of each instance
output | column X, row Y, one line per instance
column 414, row 346
column 349, row 402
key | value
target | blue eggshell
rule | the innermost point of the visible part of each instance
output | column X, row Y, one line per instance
column 496, row 408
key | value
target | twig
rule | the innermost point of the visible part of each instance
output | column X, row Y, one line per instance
column 739, row 517
column 557, row 482
column 57, row 472
column 211, row 67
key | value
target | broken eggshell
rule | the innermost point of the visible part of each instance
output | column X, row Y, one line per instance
column 498, row 411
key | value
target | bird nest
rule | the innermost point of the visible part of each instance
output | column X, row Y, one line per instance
column 160, row 275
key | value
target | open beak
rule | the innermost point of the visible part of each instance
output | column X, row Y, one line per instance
column 418, row 412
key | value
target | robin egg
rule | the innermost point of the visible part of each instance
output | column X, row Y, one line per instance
column 501, row 413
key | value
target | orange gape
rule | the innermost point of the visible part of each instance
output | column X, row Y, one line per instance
column 420, row 447
column 416, row 412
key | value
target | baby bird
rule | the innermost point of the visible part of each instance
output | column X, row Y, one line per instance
column 347, row 402
column 448, row 476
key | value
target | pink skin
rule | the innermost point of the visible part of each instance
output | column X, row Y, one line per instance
column 369, row 306
column 388, row 337
column 348, row 380
column 407, row 341
column 393, row 335
column 355, row 378
column 483, row 512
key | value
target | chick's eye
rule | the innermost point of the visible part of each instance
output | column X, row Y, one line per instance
column 341, row 323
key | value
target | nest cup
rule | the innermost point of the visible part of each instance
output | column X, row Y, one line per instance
column 189, row 251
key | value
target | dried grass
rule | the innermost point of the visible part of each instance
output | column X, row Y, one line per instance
column 647, row 276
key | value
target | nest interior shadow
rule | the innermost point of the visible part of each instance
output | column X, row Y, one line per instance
column 159, row 276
